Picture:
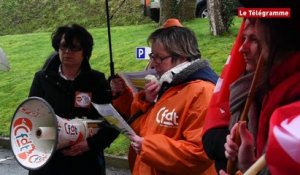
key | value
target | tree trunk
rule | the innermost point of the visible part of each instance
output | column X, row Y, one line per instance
column 180, row 9
column 217, row 25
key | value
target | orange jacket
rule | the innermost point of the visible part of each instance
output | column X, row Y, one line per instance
column 172, row 131
column 123, row 103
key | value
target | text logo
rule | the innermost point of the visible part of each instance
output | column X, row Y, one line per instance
column 22, row 137
column 264, row 12
column 166, row 117
column 37, row 159
column 70, row 129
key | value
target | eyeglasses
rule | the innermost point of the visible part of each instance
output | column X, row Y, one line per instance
column 63, row 47
column 157, row 58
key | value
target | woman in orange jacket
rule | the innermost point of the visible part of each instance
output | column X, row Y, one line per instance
column 172, row 107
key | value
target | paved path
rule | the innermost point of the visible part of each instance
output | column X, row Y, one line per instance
column 9, row 166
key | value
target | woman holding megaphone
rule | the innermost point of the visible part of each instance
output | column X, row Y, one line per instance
column 69, row 84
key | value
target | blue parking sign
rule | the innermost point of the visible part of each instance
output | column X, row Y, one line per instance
column 142, row 53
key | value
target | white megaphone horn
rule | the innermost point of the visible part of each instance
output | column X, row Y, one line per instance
column 36, row 132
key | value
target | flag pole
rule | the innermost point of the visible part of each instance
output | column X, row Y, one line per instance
column 231, row 165
column 257, row 166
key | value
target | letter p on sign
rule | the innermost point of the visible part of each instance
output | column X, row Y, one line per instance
column 142, row 53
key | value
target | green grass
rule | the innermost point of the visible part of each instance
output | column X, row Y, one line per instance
column 27, row 53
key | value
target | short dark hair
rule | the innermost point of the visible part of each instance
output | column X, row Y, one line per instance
column 178, row 41
column 71, row 32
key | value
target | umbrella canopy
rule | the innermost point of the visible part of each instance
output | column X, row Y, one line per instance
column 4, row 66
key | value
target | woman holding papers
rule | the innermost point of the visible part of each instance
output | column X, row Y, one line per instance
column 172, row 108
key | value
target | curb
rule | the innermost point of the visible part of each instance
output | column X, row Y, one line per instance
column 4, row 143
column 118, row 162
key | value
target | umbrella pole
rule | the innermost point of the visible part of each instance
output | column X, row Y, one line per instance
column 231, row 165
column 111, row 64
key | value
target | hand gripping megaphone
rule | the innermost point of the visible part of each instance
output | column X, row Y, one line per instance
column 36, row 132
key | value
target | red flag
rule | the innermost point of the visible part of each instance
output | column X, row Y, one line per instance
column 218, row 114
column 283, row 148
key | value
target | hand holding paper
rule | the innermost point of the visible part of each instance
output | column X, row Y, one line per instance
column 136, row 143
column 111, row 115
column 136, row 80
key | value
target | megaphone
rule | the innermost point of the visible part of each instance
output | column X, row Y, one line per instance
column 36, row 132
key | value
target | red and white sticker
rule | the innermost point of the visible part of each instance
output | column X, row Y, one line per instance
column 83, row 99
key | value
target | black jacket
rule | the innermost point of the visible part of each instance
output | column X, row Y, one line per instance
column 61, row 95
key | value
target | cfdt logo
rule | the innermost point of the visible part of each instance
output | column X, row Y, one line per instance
column 167, row 118
column 71, row 129
column 22, row 128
